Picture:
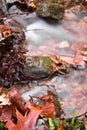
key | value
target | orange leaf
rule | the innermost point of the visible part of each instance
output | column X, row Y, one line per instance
column 49, row 110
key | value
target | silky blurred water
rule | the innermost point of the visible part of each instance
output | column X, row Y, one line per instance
column 44, row 38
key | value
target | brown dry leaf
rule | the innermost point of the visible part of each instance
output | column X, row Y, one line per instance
column 16, row 100
column 46, row 110
column 20, row 121
column 7, row 112
column 10, row 125
column 85, row 122
column 67, row 59
column 49, row 110
column 55, row 59
column 31, row 119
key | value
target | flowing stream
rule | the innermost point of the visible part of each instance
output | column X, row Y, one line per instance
column 57, row 39
column 42, row 35
column 44, row 38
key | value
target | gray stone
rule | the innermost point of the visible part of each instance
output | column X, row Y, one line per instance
column 38, row 67
column 41, row 67
column 50, row 10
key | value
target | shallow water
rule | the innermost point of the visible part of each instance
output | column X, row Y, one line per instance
column 45, row 38
column 42, row 35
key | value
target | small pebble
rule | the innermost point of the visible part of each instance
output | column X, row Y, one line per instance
column 63, row 44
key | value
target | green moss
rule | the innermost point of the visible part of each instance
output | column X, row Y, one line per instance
column 47, row 63
column 50, row 9
column 58, row 107
column 41, row 62
column 54, row 7
column 38, row 67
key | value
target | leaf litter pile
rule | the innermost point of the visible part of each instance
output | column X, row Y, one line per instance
column 34, row 111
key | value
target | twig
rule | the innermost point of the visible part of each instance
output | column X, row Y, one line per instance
column 33, row 29
column 81, row 115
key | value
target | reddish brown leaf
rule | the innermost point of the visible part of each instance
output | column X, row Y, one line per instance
column 7, row 112
column 49, row 110
column 31, row 119
column 20, row 121
column 10, row 125
column 16, row 100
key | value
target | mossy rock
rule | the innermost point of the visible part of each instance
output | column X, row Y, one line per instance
column 50, row 10
column 41, row 67
column 38, row 67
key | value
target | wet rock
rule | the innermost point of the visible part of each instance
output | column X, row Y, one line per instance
column 41, row 67
column 50, row 10
column 63, row 44
column 38, row 67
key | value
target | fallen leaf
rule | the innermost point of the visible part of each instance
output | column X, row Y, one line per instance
column 78, row 59
column 15, row 99
column 48, row 110
column 31, row 119
column 7, row 112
